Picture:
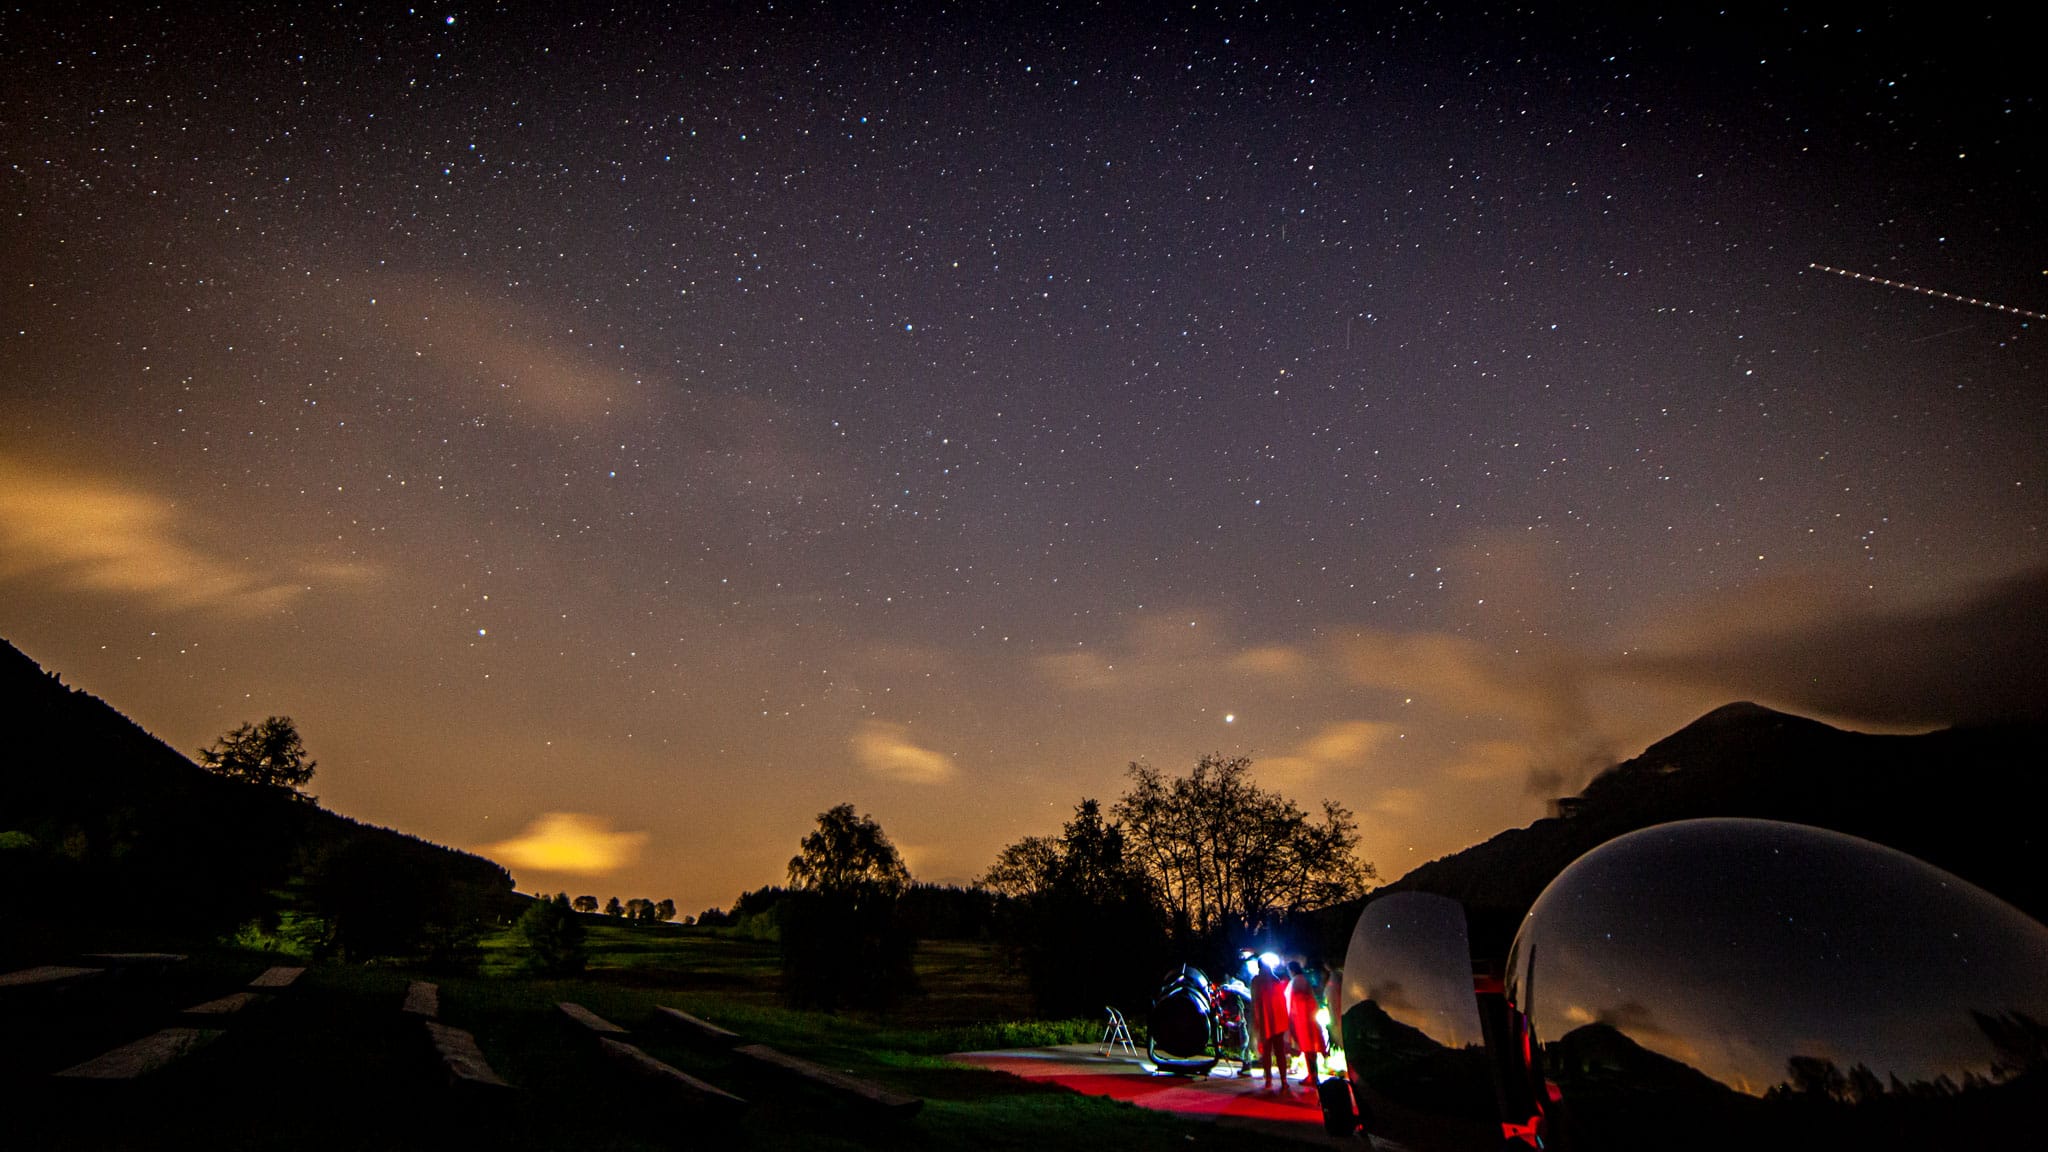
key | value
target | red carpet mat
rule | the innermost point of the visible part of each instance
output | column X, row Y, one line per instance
column 1220, row 1095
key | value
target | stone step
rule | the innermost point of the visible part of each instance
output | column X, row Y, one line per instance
column 228, row 1005
column 702, row 1032
column 461, row 1058
column 865, row 1094
column 275, row 978
column 422, row 999
column 47, row 975
column 591, row 1021
column 143, row 1056
column 687, row 1091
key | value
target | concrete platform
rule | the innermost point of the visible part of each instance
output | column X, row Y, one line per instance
column 1221, row 1097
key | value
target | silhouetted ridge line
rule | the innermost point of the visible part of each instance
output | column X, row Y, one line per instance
column 1955, row 798
column 123, row 838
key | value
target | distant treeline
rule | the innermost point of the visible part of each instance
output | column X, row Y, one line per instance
column 638, row 910
column 1182, row 868
column 931, row 911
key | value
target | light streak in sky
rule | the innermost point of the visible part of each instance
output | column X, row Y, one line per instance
column 1931, row 292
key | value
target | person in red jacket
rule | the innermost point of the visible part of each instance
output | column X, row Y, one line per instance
column 1270, row 1019
column 1306, row 1030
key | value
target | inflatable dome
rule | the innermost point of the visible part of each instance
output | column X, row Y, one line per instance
column 1734, row 983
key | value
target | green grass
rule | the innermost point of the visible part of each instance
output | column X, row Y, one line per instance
column 334, row 1065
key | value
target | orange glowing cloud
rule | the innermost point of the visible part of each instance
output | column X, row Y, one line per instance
column 1274, row 660
column 1540, row 700
column 1342, row 745
column 99, row 536
column 886, row 750
column 569, row 843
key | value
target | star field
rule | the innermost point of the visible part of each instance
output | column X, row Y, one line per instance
column 693, row 420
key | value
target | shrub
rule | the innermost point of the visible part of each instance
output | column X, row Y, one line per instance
column 554, row 937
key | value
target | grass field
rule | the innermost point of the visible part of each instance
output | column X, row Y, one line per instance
column 335, row 1065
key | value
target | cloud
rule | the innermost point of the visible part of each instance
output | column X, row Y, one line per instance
column 1180, row 652
column 1080, row 672
column 1346, row 744
column 1971, row 656
column 511, row 359
column 1275, row 660
column 1400, row 803
column 570, row 843
column 1448, row 673
column 762, row 465
column 97, row 535
column 1541, row 698
column 886, row 750
column 1556, row 715
column 1492, row 760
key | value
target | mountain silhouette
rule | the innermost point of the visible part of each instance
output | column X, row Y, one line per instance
column 1956, row 798
column 1592, row 1053
column 108, row 836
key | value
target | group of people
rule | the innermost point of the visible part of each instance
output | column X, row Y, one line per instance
column 1285, row 999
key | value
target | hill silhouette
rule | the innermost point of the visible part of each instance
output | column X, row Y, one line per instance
column 1956, row 798
column 110, row 837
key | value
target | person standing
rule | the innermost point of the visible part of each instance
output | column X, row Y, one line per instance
column 1270, row 1018
column 1306, row 1031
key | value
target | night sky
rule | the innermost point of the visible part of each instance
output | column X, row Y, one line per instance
column 616, row 437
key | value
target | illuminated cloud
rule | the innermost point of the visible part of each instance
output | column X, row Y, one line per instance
column 1182, row 652
column 1541, row 701
column 570, row 843
column 886, row 750
column 510, row 358
column 1274, row 660
column 1972, row 655
column 98, row 536
column 1399, row 803
column 1443, row 672
column 1347, row 744
column 524, row 373
column 1489, row 760
column 1081, row 672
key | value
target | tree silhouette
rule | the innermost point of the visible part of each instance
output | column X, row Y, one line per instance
column 843, row 940
column 1079, row 894
column 847, row 853
column 584, row 903
column 1218, row 848
column 612, row 907
column 268, row 752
